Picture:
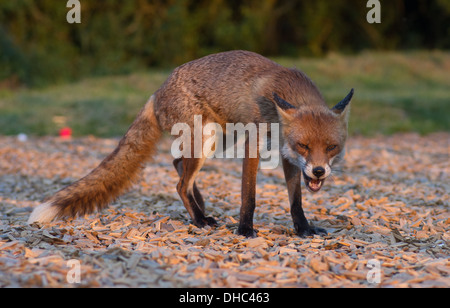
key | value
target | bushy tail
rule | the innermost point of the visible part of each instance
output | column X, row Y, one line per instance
column 112, row 177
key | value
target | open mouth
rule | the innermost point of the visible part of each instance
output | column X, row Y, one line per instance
column 313, row 185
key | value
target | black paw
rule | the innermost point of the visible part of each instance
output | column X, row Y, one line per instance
column 247, row 232
column 310, row 231
column 206, row 221
column 211, row 222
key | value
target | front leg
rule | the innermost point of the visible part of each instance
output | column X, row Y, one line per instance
column 249, row 172
column 292, row 175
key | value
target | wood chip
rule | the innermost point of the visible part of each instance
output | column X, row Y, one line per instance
column 389, row 210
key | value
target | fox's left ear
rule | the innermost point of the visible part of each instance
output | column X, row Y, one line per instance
column 342, row 108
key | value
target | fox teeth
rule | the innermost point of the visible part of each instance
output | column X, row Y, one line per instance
column 315, row 184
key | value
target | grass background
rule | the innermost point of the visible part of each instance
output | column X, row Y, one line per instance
column 394, row 92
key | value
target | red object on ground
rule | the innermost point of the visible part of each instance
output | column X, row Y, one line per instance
column 65, row 132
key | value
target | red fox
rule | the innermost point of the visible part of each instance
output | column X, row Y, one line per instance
column 229, row 87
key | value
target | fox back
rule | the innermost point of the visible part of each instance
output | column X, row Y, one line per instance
column 231, row 87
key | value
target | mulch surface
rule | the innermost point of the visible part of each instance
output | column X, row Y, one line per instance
column 386, row 213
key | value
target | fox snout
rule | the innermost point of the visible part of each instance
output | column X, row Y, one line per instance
column 314, row 171
column 318, row 172
column 315, row 176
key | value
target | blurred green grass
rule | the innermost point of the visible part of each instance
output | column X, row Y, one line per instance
column 394, row 92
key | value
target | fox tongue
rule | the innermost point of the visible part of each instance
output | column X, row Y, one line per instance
column 315, row 184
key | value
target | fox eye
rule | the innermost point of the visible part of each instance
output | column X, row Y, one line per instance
column 303, row 146
column 331, row 147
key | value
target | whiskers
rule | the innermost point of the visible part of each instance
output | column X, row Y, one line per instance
column 336, row 171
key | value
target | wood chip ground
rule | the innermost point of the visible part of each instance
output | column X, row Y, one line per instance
column 389, row 206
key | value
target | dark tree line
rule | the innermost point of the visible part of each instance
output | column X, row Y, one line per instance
column 38, row 45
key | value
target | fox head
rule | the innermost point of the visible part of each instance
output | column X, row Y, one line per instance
column 314, row 137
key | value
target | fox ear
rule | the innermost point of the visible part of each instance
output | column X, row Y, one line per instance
column 285, row 109
column 342, row 108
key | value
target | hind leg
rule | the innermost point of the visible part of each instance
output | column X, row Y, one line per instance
column 178, row 164
column 188, row 169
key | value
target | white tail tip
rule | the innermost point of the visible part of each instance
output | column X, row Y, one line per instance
column 45, row 212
